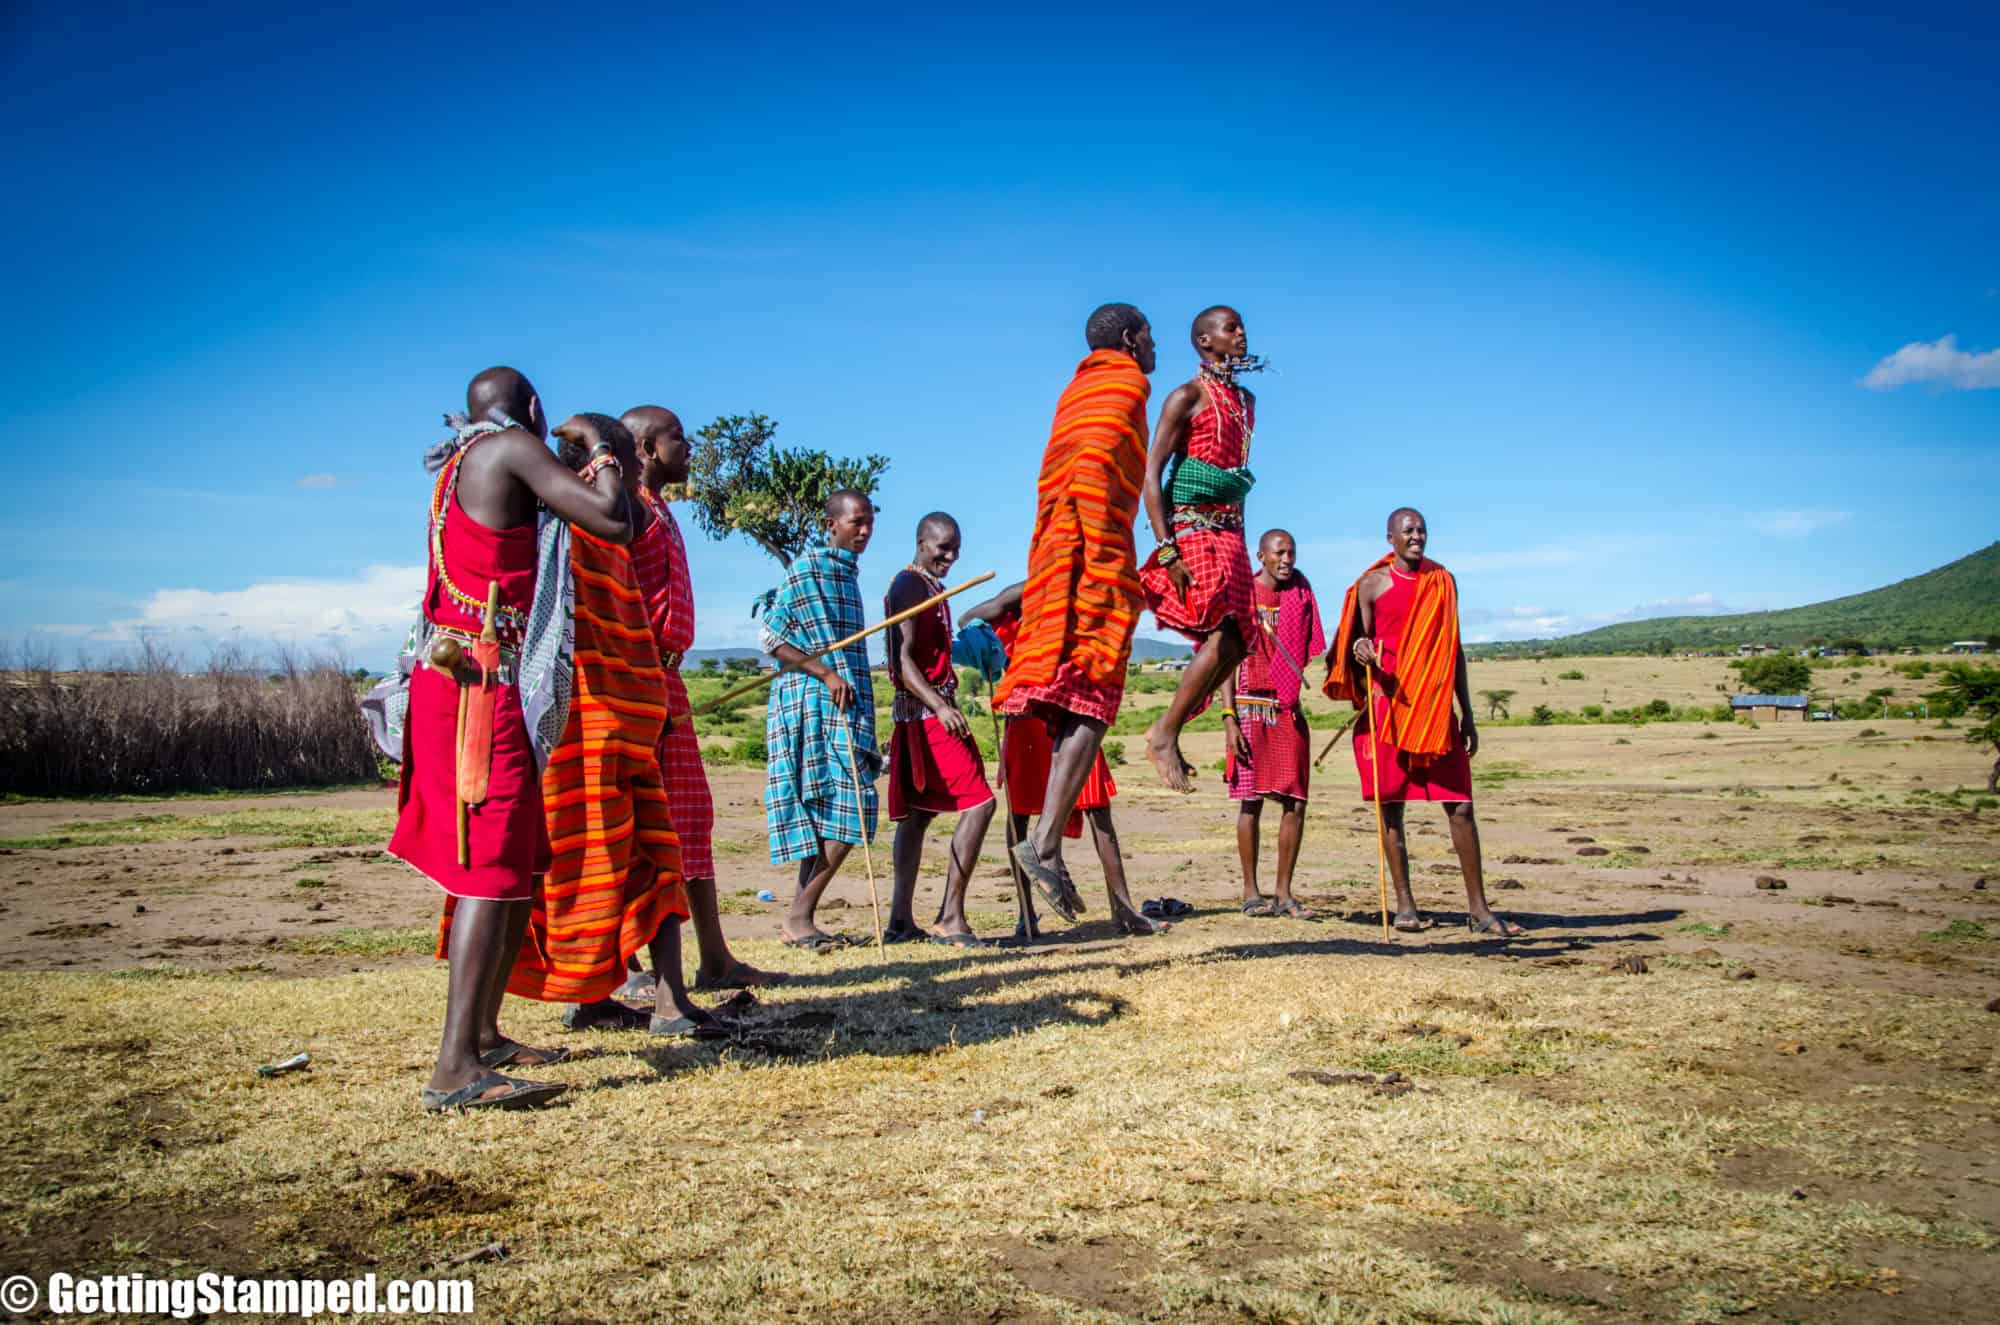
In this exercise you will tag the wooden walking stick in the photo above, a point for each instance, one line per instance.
(861, 822)
(838, 645)
(1381, 834)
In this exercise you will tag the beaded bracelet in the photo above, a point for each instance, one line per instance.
(1168, 554)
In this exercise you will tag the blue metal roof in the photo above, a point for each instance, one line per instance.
(1767, 701)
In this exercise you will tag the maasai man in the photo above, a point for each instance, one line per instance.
(1198, 578)
(1264, 728)
(486, 854)
(614, 885)
(1025, 755)
(934, 763)
(819, 731)
(1081, 603)
(659, 556)
(1399, 635)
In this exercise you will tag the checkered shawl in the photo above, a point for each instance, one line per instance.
(810, 793)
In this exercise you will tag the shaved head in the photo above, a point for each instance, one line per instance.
(1396, 517)
(847, 499)
(649, 421)
(1272, 534)
(1210, 319)
(937, 522)
(503, 395)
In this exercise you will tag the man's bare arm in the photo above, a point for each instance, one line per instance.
(598, 507)
(1169, 440)
(1001, 604)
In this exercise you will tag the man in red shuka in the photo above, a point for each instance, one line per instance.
(934, 763)
(1198, 580)
(1398, 659)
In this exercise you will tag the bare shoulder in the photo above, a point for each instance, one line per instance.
(1186, 395)
(1374, 583)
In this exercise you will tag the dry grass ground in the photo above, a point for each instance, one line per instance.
(1242, 1120)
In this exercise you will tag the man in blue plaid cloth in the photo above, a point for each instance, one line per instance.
(821, 716)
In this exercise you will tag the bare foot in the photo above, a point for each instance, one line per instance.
(1134, 925)
(1165, 752)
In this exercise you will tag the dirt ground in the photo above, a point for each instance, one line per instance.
(1788, 1113)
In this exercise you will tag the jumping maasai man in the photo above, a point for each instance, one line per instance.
(1081, 603)
(1401, 619)
(1264, 729)
(819, 731)
(465, 731)
(1025, 755)
(934, 763)
(1198, 578)
(614, 886)
(659, 556)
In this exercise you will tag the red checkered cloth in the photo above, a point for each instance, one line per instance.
(1280, 761)
(660, 557)
(1220, 565)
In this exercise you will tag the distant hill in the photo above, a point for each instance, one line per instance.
(1958, 601)
(1151, 650)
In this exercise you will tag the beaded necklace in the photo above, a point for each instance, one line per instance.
(1213, 379)
(509, 619)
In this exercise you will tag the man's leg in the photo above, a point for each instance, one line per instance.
(1407, 916)
(966, 839)
(484, 939)
(515, 925)
(1077, 740)
(815, 873)
(1249, 829)
(1465, 840)
(1213, 664)
(671, 1003)
(906, 858)
(1124, 913)
(1027, 924)
(718, 966)
(1291, 831)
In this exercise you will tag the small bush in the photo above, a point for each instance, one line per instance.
(1571, 675)
(1593, 711)
(1659, 708)
(1542, 716)
(1114, 753)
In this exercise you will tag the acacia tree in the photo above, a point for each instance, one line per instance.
(1974, 690)
(1496, 702)
(739, 483)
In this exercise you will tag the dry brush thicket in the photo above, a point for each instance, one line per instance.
(153, 727)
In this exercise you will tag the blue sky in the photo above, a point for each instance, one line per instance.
(1647, 314)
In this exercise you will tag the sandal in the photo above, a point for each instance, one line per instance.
(1258, 906)
(515, 1054)
(958, 940)
(492, 1091)
(742, 975)
(1413, 924)
(1047, 881)
(1293, 910)
(909, 934)
(1494, 927)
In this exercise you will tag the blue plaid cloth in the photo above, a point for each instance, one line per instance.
(810, 794)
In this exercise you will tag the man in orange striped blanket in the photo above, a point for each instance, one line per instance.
(1399, 661)
(614, 884)
(1082, 599)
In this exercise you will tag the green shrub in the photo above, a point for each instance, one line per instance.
(1659, 708)
(1114, 752)
(1542, 716)
(1571, 675)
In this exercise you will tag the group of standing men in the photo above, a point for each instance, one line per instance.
(549, 739)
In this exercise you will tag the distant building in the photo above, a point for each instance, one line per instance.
(1770, 708)
(1753, 650)
(1967, 646)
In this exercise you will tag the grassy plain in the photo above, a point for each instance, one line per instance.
(1790, 1115)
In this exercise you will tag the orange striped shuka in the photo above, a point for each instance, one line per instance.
(1083, 595)
(616, 873)
(1419, 693)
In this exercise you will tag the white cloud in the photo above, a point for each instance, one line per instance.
(319, 482)
(1799, 524)
(1941, 362)
(365, 616)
